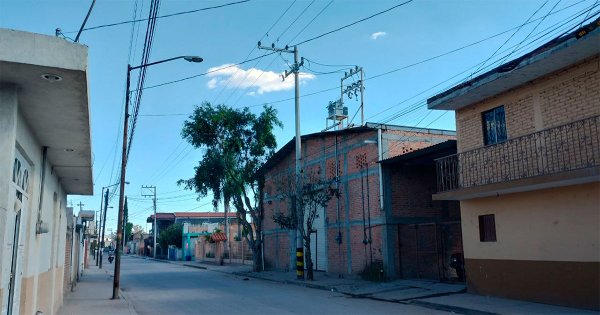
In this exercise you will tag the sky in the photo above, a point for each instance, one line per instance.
(408, 54)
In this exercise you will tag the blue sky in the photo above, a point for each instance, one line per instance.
(406, 35)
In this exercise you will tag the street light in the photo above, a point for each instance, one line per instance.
(117, 274)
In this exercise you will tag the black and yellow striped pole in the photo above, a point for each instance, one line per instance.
(300, 263)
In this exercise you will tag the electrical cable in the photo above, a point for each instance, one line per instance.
(353, 23)
(159, 17)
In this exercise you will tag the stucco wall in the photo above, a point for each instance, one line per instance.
(559, 98)
(560, 224)
(40, 256)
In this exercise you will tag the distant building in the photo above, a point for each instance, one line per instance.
(45, 155)
(166, 219)
(357, 232)
(527, 173)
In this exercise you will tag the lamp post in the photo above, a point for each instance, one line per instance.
(117, 273)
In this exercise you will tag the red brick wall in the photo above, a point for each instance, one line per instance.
(355, 151)
(411, 190)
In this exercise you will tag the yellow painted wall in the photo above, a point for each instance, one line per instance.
(562, 97)
(559, 224)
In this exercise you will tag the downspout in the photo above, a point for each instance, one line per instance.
(380, 155)
(41, 227)
(338, 217)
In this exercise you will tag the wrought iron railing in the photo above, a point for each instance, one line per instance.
(564, 148)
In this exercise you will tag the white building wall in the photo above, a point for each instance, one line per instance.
(41, 256)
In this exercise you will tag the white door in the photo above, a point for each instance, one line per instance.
(19, 199)
(318, 242)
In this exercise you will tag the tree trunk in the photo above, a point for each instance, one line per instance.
(257, 257)
(308, 259)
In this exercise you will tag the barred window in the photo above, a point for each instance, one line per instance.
(487, 228)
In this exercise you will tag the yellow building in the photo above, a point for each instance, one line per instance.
(527, 173)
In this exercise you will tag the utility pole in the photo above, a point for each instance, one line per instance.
(80, 206)
(99, 227)
(295, 69)
(97, 238)
(103, 227)
(154, 226)
(126, 218)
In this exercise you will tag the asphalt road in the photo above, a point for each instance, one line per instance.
(160, 288)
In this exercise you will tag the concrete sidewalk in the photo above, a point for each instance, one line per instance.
(429, 294)
(92, 295)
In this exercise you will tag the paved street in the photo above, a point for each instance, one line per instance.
(161, 288)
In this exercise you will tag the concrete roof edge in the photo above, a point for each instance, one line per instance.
(542, 52)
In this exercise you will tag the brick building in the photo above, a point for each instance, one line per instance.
(527, 173)
(428, 231)
(352, 231)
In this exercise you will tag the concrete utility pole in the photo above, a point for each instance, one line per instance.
(99, 227)
(295, 68)
(154, 226)
(354, 89)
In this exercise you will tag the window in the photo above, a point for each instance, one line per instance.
(487, 228)
(494, 126)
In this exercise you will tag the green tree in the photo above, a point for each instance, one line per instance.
(173, 235)
(128, 230)
(237, 144)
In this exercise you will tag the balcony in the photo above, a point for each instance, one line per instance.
(563, 155)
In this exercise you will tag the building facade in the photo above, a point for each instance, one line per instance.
(352, 234)
(527, 173)
(429, 239)
(45, 154)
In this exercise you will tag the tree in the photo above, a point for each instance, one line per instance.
(128, 229)
(316, 194)
(237, 144)
(172, 235)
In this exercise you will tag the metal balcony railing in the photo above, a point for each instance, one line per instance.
(564, 148)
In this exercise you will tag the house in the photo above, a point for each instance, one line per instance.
(428, 242)
(45, 155)
(352, 234)
(527, 173)
(166, 219)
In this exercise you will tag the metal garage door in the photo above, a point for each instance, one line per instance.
(318, 242)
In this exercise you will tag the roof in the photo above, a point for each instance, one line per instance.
(552, 56)
(368, 127)
(202, 215)
(424, 156)
(161, 216)
(218, 237)
(57, 111)
(189, 215)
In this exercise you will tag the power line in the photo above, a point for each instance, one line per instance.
(373, 77)
(159, 17)
(266, 34)
(512, 35)
(353, 23)
(272, 61)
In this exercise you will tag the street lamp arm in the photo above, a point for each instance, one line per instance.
(187, 58)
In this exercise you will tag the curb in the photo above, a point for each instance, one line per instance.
(298, 283)
(411, 301)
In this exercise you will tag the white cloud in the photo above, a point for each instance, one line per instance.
(376, 35)
(259, 80)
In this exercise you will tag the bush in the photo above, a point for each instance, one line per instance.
(173, 235)
(374, 272)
